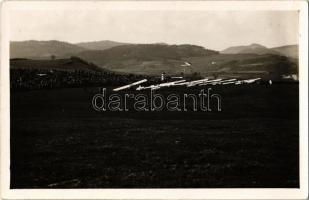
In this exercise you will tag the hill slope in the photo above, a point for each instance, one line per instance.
(69, 64)
(250, 49)
(155, 59)
(100, 45)
(245, 65)
(43, 49)
(144, 52)
(288, 50)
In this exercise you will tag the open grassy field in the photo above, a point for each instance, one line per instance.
(59, 141)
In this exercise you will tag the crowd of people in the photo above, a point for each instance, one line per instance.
(29, 79)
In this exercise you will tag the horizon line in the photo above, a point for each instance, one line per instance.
(165, 43)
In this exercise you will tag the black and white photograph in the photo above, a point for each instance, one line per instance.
(154, 95)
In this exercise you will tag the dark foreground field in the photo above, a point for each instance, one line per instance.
(59, 141)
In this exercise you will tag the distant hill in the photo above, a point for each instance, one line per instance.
(100, 45)
(43, 49)
(155, 59)
(144, 52)
(69, 64)
(152, 59)
(288, 50)
(249, 49)
(245, 65)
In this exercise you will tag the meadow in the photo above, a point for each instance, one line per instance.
(59, 141)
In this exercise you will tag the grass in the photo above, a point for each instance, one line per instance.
(59, 141)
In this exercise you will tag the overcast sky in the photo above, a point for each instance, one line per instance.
(212, 29)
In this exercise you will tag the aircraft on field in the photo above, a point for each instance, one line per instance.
(214, 81)
(186, 64)
(154, 87)
(130, 85)
(252, 80)
(168, 84)
(193, 83)
(200, 82)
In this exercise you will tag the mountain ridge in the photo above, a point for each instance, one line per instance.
(254, 48)
(248, 49)
(288, 50)
(154, 59)
(100, 45)
(144, 52)
(43, 49)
